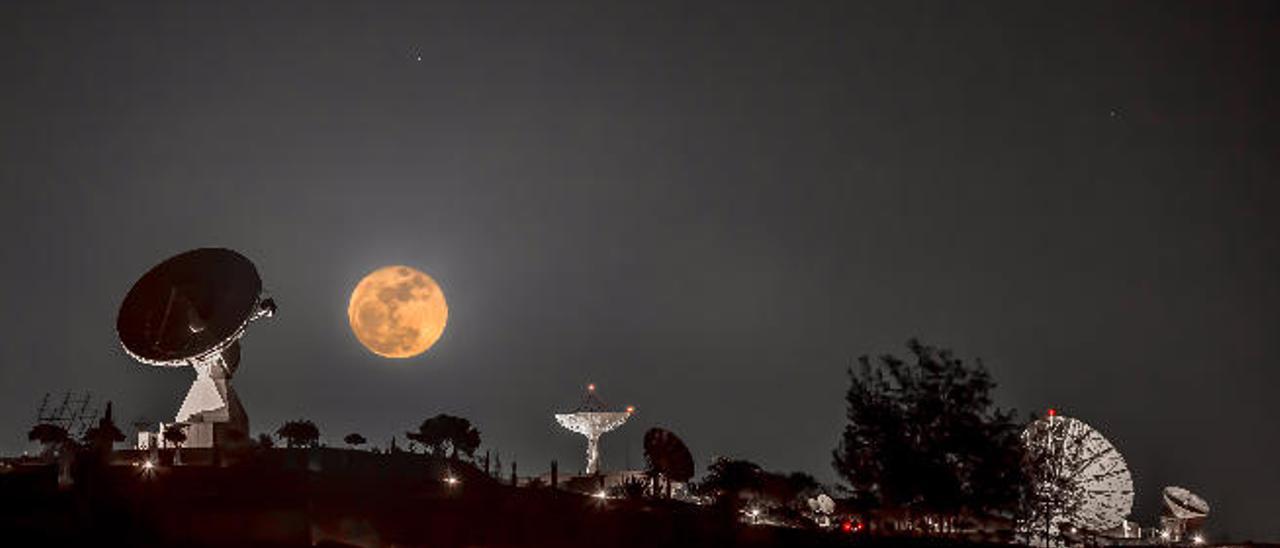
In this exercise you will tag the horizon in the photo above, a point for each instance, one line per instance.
(709, 211)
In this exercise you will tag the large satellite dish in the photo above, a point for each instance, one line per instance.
(1080, 482)
(191, 310)
(593, 419)
(668, 455)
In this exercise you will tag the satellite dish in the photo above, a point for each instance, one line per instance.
(593, 419)
(668, 455)
(1181, 503)
(1079, 479)
(191, 310)
(822, 504)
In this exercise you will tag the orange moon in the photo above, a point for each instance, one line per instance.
(397, 312)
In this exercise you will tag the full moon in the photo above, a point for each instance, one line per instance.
(397, 312)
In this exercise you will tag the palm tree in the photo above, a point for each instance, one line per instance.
(105, 435)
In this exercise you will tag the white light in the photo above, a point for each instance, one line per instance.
(1198, 539)
(452, 480)
(148, 465)
(1164, 535)
(600, 494)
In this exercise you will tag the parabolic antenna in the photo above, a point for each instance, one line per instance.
(1181, 503)
(822, 504)
(1080, 482)
(593, 419)
(667, 454)
(191, 310)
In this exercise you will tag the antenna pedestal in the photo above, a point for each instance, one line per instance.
(211, 409)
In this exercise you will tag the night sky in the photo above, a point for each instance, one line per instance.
(709, 211)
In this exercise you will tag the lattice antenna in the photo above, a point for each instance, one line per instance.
(81, 417)
(69, 414)
(43, 409)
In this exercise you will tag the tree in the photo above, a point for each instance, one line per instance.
(299, 433)
(667, 457)
(51, 436)
(727, 479)
(355, 440)
(265, 441)
(925, 437)
(176, 434)
(443, 433)
(790, 490)
(103, 436)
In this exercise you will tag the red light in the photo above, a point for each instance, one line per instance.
(1053, 412)
(847, 526)
(631, 409)
(591, 387)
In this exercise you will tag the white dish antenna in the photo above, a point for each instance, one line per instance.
(822, 504)
(593, 419)
(1181, 503)
(1080, 482)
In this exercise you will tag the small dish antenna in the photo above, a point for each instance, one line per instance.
(1184, 512)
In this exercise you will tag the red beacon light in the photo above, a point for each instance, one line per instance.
(1053, 412)
(631, 409)
(847, 526)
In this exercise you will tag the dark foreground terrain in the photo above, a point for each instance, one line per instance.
(310, 497)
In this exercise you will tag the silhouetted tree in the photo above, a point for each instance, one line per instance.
(727, 479)
(51, 436)
(265, 441)
(788, 490)
(102, 437)
(355, 440)
(443, 433)
(925, 437)
(667, 457)
(299, 433)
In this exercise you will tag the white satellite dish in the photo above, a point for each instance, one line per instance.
(822, 504)
(1080, 482)
(1181, 503)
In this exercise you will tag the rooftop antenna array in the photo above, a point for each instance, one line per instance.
(71, 413)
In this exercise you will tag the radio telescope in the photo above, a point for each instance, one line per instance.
(1080, 482)
(592, 419)
(190, 311)
(1184, 512)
